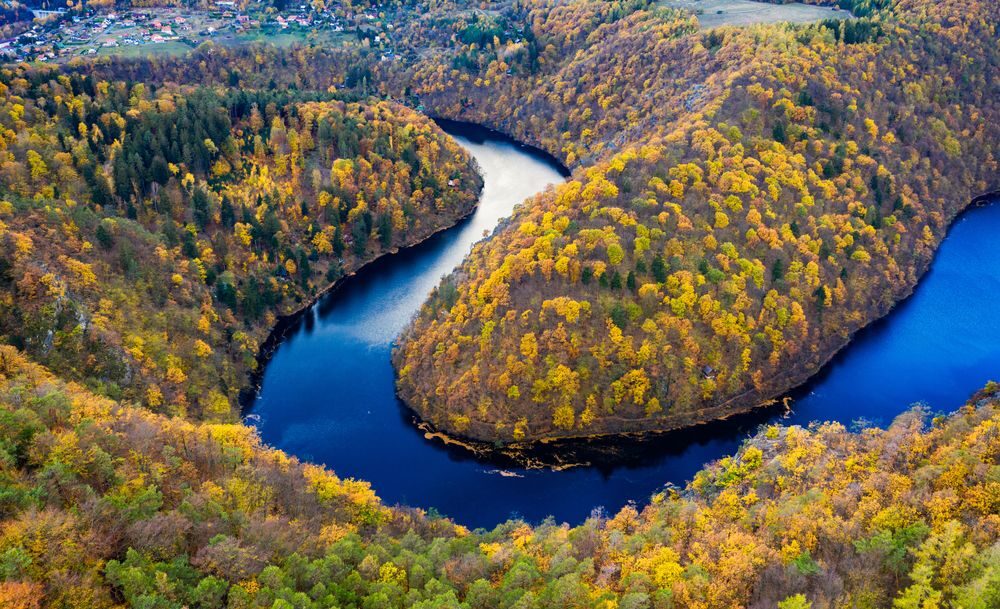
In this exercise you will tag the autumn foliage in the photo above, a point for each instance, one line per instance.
(744, 200)
(151, 236)
(103, 503)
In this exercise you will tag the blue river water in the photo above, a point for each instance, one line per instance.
(327, 394)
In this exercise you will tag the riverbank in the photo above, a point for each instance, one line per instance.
(287, 322)
(328, 395)
(481, 132)
(559, 450)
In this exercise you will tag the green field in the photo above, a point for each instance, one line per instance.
(715, 13)
(290, 37)
(171, 48)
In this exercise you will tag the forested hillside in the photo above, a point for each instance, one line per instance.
(152, 234)
(104, 504)
(745, 200)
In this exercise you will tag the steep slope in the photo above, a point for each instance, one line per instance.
(746, 199)
(103, 504)
(152, 234)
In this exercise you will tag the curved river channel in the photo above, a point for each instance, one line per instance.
(327, 394)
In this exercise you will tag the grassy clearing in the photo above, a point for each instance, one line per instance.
(172, 47)
(715, 13)
(289, 38)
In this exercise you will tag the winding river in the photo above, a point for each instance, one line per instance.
(327, 393)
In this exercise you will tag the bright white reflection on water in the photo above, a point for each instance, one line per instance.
(390, 301)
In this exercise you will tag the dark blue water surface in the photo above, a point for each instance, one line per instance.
(327, 394)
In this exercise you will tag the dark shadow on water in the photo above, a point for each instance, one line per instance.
(327, 387)
(607, 455)
(478, 134)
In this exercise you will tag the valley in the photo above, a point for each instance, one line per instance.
(524, 304)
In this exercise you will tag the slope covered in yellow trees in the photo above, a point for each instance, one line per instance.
(103, 504)
(151, 234)
(744, 200)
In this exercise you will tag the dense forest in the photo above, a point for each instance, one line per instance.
(152, 235)
(105, 504)
(742, 201)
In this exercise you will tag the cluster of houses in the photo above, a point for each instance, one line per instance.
(62, 36)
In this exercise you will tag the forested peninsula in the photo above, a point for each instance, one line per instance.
(745, 199)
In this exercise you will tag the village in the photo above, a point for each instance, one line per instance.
(61, 36)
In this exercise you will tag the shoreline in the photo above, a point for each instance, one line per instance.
(278, 332)
(285, 321)
(468, 129)
(556, 446)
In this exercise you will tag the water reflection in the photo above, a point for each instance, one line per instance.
(327, 394)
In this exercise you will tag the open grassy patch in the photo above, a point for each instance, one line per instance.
(169, 48)
(288, 38)
(715, 13)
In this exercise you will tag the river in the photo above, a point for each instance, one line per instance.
(327, 394)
